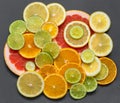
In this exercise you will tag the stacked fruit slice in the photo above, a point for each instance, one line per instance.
(53, 51)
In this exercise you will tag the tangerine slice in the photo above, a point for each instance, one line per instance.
(67, 55)
(72, 65)
(47, 70)
(29, 50)
(55, 86)
(51, 27)
(112, 71)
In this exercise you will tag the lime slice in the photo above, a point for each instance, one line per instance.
(72, 75)
(76, 32)
(17, 27)
(34, 23)
(90, 84)
(30, 66)
(15, 42)
(30, 84)
(36, 8)
(87, 56)
(103, 72)
(78, 91)
(41, 38)
(52, 48)
(99, 21)
(43, 58)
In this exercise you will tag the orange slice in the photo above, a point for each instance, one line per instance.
(55, 86)
(67, 55)
(29, 50)
(72, 65)
(51, 27)
(47, 70)
(112, 71)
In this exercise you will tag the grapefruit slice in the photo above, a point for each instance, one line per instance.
(71, 15)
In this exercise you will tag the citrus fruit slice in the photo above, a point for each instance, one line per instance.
(55, 86)
(66, 66)
(67, 55)
(47, 70)
(78, 91)
(101, 44)
(99, 21)
(42, 59)
(93, 68)
(87, 56)
(90, 84)
(17, 27)
(71, 15)
(36, 8)
(15, 42)
(34, 23)
(51, 27)
(103, 72)
(57, 13)
(30, 66)
(52, 48)
(72, 75)
(41, 38)
(82, 35)
(29, 50)
(30, 84)
(112, 71)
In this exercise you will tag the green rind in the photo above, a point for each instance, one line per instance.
(78, 91)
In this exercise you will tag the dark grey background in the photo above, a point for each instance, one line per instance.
(11, 10)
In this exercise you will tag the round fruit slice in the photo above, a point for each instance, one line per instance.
(55, 86)
(82, 35)
(52, 48)
(101, 44)
(93, 68)
(67, 55)
(17, 27)
(99, 21)
(90, 84)
(29, 50)
(72, 15)
(42, 59)
(72, 75)
(47, 70)
(41, 38)
(57, 13)
(112, 71)
(51, 27)
(30, 84)
(78, 91)
(87, 56)
(15, 42)
(36, 8)
(30, 66)
(34, 23)
(103, 72)
(66, 66)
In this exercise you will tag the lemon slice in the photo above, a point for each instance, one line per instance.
(30, 84)
(93, 68)
(30, 66)
(57, 13)
(99, 21)
(36, 8)
(77, 38)
(101, 44)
